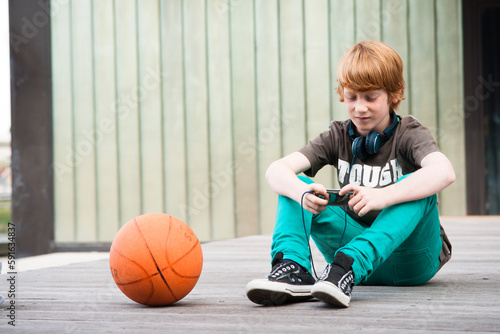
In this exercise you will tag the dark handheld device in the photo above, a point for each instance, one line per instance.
(336, 200)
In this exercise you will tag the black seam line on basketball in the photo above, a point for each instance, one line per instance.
(171, 265)
(136, 281)
(136, 263)
(152, 257)
(183, 256)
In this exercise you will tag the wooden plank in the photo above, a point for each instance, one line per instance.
(195, 71)
(395, 33)
(150, 112)
(84, 121)
(105, 124)
(317, 69)
(368, 22)
(127, 109)
(268, 105)
(342, 37)
(174, 125)
(242, 32)
(220, 135)
(462, 300)
(422, 49)
(293, 104)
(450, 94)
(62, 117)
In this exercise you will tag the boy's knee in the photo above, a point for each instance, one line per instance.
(403, 177)
(305, 179)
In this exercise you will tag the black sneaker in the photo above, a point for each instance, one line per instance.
(335, 285)
(288, 282)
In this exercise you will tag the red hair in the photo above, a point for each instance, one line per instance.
(371, 65)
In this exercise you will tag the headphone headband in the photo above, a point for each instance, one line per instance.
(388, 132)
(362, 147)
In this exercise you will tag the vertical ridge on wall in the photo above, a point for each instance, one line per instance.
(127, 111)
(368, 25)
(62, 86)
(180, 106)
(150, 119)
(422, 82)
(174, 129)
(221, 190)
(451, 130)
(161, 76)
(409, 60)
(280, 75)
(83, 111)
(381, 19)
(258, 145)
(394, 25)
(137, 95)
(92, 133)
(173, 106)
(436, 71)
(196, 118)
(210, 185)
(331, 83)
(105, 120)
(317, 80)
(242, 46)
(267, 88)
(343, 34)
(292, 76)
(304, 67)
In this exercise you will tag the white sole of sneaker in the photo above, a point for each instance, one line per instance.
(265, 292)
(330, 294)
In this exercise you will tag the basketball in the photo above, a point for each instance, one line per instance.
(155, 259)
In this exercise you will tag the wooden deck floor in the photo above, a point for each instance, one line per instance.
(82, 297)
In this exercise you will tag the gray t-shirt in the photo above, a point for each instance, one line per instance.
(400, 155)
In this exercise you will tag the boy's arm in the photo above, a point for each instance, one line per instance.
(282, 178)
(436, 174)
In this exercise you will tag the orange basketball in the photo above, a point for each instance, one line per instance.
(155, 259)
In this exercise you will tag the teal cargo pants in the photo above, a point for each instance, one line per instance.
(401, 247)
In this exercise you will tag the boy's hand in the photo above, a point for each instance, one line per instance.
(366, 199)
(316, 201)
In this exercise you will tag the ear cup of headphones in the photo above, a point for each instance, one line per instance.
(358, 148)
(362, 147)
(373, 142)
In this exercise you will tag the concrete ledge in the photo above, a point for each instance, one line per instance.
(53, 260)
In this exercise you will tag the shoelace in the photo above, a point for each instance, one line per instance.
(282, 269)
(326, 272)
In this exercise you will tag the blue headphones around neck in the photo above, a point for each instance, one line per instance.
(362, 147)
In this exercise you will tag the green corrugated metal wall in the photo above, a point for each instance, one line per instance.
(179, 106)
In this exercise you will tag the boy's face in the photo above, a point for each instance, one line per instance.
(369, 111)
